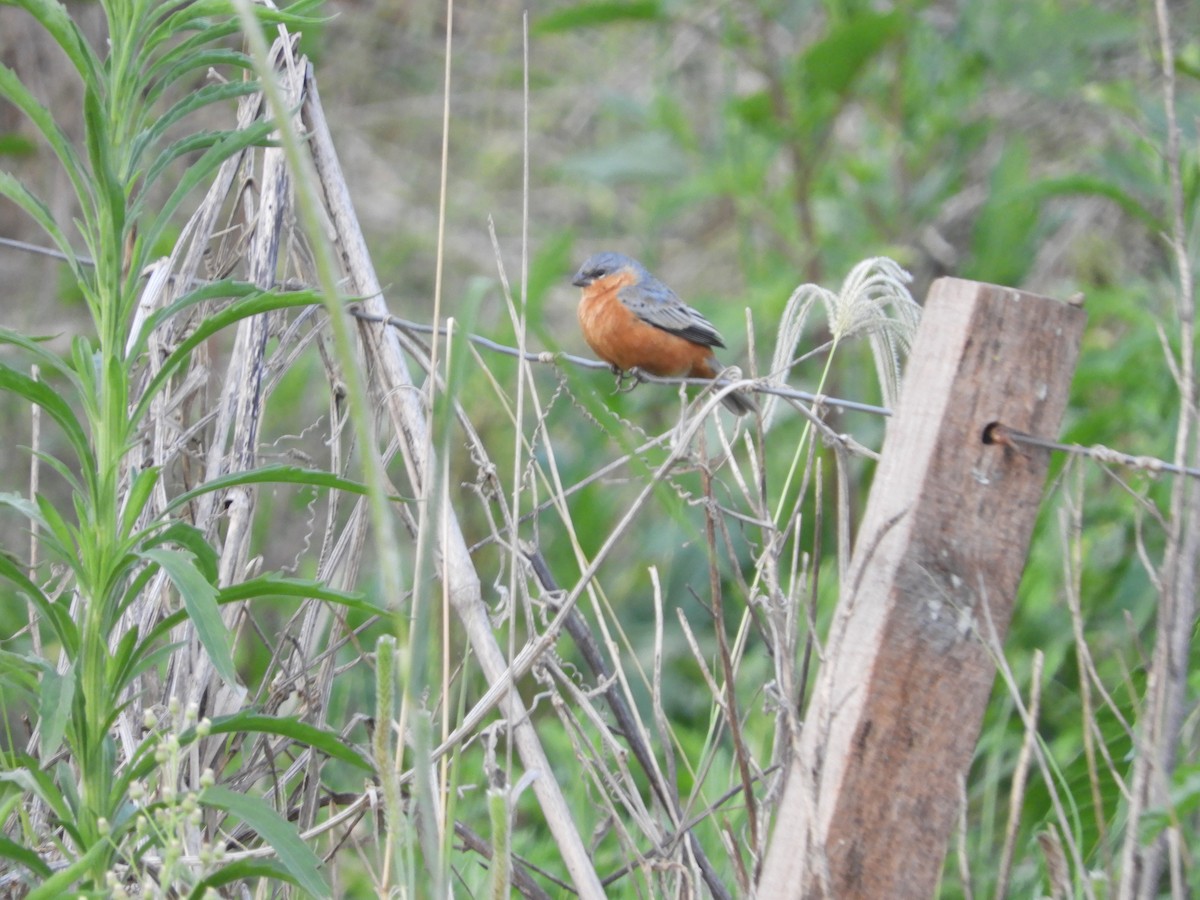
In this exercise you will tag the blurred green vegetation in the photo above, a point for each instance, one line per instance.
(740, 149)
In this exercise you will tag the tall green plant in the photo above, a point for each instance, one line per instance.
(139, 159)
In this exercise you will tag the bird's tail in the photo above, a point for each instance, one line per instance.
(739, 404)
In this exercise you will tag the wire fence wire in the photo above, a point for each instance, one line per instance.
(1098, 452)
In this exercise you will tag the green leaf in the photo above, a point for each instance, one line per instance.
(64, 473)
(821, 78)
(188, 18)
(294, 15)
(281, 835)
(45, 358)
(114, 396)
(15, 91)
(201, 171)
(26, 507)
(831, 65)
(820, 81)
(213, 20)
(242, 309)
(61, 537)
(41, 394)
(180, 66)
(85, 362)
(591, 15)
(138, 661)
(16, 146)
(57, 614)
(328, 742)
(273, 475)
(270, 869)
(193, 101)
(57, 22)
(98, 139)
(133, 586)
(10, 849)
(40, 213)
(20, 672)
(213, 290)
(277, 586)
(34, 781)
(186, 146)
(139, 494)
(58, 694)
(758, 111)
(1002, 244)
(122, 660)
(1092, 185)
(190, 538)
(56, 886)
(200, 600)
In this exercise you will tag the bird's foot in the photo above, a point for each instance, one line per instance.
(634, 376)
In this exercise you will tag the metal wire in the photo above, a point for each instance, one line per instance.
(995, 433)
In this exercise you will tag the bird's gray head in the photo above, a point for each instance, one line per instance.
(600, 265)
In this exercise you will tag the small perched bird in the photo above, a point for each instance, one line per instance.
(631, 320)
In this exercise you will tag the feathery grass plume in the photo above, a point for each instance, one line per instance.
(874, 300)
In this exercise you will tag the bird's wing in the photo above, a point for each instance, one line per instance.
(656, 304)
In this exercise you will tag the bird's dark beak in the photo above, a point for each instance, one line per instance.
(581, 280)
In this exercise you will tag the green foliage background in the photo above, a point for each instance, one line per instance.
(740, 149)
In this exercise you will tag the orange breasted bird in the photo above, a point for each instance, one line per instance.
(631, 320)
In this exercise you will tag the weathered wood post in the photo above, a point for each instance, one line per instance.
(873, 791)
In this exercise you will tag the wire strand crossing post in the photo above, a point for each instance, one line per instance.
(874, 788)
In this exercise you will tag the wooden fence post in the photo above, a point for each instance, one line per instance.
(874, 789)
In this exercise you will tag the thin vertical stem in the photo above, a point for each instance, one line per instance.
(1158, 738)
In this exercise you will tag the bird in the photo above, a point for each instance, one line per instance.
(631, 320)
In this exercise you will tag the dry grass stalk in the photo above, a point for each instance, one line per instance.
(394, 385)
(1166, 703)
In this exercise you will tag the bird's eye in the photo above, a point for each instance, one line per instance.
(596, 273)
